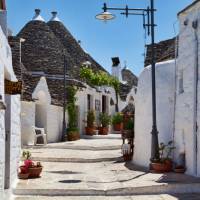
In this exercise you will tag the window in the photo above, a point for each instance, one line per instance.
(104, 104)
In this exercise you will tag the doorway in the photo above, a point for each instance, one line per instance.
(104, 104)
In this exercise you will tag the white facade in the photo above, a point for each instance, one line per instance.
(178, 98)
(10, 132)
(41, 113)
(165, 87)
(188, 89)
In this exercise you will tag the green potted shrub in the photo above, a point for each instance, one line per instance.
(104, 119)
(72, 130)
(165, 163)
(90, 128)
(117, 122)
(128, 131)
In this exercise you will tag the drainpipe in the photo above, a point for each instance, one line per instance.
(196, 70)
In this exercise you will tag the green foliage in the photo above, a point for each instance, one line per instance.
(165, 150)
(100, 79)
(71, 93)
(129, 125)
(26, 155)
(71, 108)
(90, 118)
(105, 119)
(117, 118)
(114, 82)
(94, 79)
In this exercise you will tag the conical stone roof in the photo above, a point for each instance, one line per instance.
(42, 51)
(72, 46)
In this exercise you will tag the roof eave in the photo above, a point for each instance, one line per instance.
(188, 7)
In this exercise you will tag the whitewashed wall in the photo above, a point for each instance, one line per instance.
(15, 151)
(165, 86)
(13, 115)
(187, 114)
(27, 121)
(54, 123)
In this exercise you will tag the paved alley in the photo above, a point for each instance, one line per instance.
(94, 169)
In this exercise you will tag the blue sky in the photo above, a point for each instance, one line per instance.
(121, 37)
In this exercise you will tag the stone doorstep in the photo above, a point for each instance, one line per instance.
(146, 190)
(77, 160)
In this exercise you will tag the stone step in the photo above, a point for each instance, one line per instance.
(75, 147)
(108, 137)
(138, 197)
(128, 191)
(78, 160)
(93, 143)
(78, 156)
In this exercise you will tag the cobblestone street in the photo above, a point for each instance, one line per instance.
(94, 169)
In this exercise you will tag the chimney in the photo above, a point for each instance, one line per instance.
(37, 16)
(54, 17)
(3, 17)
(116, 68)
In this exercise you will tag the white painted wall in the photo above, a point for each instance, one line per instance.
(54, 123)
(186, 135)
(15, 151)
(165, 84)
(27, 121)
(13, 109)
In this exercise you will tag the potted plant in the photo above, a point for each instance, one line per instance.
(72, 130)
(104, 119)
(165, 163)
(90, 129)
(128, 131)
(117, 120)
(29, 169)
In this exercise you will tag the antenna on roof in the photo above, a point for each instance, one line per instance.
(125, 65)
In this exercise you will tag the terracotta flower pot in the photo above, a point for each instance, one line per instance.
(118, 127)
(73, 136)
(23, 176)
(103, 130)
(127, 157)
(89, 130)
(162, 167)
(23, 169)
(34, 172)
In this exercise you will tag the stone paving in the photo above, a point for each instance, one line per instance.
(99, 174)
(141, 197)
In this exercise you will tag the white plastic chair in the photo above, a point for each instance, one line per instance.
(40, 134)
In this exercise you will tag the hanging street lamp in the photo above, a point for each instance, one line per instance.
(148, 23)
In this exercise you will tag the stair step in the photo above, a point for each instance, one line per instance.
(128, 191)
(78, 160)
